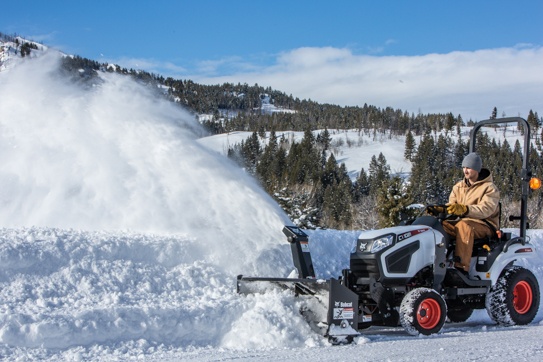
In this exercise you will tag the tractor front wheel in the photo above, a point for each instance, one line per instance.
(423, 311)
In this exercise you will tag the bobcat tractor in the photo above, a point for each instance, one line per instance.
(405, 275)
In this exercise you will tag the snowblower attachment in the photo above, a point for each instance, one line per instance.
(329, 307)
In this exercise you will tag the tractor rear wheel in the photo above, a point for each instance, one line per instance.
(423, 311)
(514, 299)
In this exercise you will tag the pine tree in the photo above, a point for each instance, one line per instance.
(343, 175)
(504, 178)
(450, 122)
(516, 161)
(421, 172)
(460, 151)
(459, 124)
(361, 187)
(251, 151)
(494, 114)
(310, 158)
(337, 205)
(379, 171)
(533, 121)
(393, 202)
(278, 166)
(536, 167)
(330, 173)
(345, 202)
(445, 172)
(325, 139)
(322, 162)
(296, 174)
(410, 145)
(264, 169)
(484, 146)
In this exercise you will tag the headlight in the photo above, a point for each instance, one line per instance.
(381, 243)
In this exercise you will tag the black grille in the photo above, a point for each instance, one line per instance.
(364, 268)
(399, 261)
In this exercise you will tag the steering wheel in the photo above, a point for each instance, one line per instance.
(439, 211)
(436, 209)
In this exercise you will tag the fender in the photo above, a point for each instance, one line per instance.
(514, 253)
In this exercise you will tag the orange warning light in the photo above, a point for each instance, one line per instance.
(535, 183)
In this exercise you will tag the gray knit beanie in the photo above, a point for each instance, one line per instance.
(473, 161)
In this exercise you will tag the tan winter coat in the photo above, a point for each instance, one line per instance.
(482, 198)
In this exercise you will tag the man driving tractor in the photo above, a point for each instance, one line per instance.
(475, 200)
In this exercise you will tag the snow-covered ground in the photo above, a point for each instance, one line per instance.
(76, 295)
(122, 236)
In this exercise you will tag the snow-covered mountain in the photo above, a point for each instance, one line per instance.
(123, 233)
(12, 49)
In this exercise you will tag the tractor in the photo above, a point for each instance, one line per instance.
(404, 275)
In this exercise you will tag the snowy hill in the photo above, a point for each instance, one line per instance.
(122, 235)
(10, 51)
(351, 147)
(355, 148)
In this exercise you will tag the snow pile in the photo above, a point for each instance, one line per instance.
(63, 288)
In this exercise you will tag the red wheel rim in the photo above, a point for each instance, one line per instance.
(522, 297)
(429, 313)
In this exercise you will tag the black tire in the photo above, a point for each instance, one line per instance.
(423, 311)
(459, 314)
(514, 299)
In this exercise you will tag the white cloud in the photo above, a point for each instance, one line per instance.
(229, 64)
(467, 83)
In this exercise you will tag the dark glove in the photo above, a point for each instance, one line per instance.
(436, 210)
(457, 209)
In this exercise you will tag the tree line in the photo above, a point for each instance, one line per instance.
(238, 107)
(316, 191)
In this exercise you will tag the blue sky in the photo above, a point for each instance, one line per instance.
(419, 56)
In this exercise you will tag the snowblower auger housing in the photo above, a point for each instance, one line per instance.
(333, 305)
(404, 275)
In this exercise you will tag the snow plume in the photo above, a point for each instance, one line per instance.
(115, 156)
